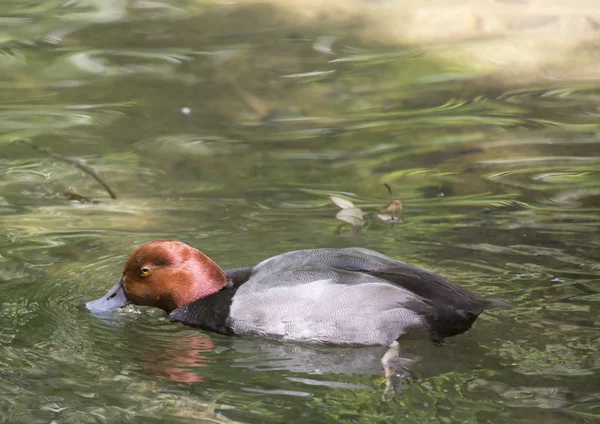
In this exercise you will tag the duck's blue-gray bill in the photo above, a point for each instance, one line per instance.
(114, 299)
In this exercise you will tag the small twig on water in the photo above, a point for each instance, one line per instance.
(389, 189)
(75, 162)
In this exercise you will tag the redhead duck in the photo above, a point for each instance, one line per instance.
(349, 296)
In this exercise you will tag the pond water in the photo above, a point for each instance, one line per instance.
(229, 126)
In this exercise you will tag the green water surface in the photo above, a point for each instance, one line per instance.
(229, 127)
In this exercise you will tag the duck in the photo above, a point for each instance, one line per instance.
(337, 296)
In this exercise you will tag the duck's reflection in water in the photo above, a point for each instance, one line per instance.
(183, 356)
(180, 358)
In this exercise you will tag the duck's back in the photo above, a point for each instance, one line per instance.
(357, 264)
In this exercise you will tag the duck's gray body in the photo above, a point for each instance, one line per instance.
(349, 296)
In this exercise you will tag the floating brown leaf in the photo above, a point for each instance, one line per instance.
(71, 195)
(393, 208)
(393, 211)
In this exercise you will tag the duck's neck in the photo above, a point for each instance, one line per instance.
(205, 277)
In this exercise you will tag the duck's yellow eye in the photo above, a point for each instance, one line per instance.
(144, 271)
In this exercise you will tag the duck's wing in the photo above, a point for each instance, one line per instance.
(413, 278)
(351, 260)
(420, 281)
(435, 288)
(430, 286)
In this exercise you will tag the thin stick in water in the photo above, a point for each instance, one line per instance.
(76, 163)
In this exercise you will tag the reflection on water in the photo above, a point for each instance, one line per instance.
(229, 127)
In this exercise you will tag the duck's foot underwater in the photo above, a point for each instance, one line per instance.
(397, 373)
(440, 342)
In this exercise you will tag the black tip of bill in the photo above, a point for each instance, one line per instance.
(114, 299)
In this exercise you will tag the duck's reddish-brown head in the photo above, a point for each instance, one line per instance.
(166, 274)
